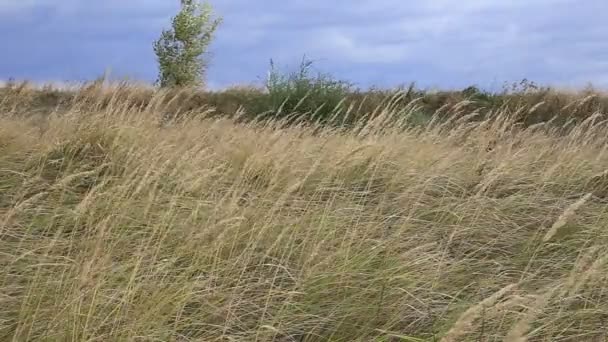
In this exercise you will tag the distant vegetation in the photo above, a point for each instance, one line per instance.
(304, 96)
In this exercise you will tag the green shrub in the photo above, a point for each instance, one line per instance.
(301, 95)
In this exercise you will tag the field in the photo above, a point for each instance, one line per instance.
(116, 225)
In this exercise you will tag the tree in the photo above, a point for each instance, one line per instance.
(180, 51)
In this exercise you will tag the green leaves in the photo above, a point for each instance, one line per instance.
(315, 96)
(180, 51)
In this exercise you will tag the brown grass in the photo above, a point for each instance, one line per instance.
(114, 227)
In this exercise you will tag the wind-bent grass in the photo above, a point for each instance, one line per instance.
(114, 228)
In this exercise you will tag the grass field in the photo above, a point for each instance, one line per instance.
(115, 227)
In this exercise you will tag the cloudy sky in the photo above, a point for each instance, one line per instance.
(437, 43)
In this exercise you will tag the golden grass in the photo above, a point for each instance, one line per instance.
(116, 228)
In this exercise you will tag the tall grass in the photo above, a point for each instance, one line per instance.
(115, 227)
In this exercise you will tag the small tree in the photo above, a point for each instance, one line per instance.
(180, 50)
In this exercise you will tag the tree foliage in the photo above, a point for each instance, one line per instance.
(181, 50)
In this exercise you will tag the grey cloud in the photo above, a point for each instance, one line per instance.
(436, 42)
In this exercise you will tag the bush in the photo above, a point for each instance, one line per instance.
(302, 95)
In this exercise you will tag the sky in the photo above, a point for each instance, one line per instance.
(384, 43)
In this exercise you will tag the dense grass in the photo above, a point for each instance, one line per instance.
(115, 226)
(303, 96)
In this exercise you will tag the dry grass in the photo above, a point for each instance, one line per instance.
(115, 228)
